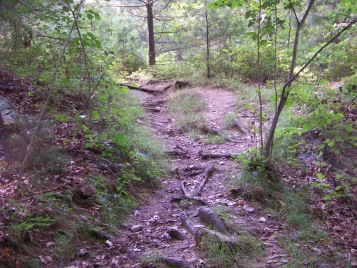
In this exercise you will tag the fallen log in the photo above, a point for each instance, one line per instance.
(156, 86)
(206, 175)
(217, 155)
(209, 217)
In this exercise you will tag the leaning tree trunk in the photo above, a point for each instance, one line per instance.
(285, 91)
(151, 35)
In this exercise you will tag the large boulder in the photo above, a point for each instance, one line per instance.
(8, 113)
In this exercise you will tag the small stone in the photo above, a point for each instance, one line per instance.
(175, 234)
(136, 228)
(262, 219)
(249, 209)
(109, 243)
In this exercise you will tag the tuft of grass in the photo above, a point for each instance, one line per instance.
(186, 107)
(246, 253)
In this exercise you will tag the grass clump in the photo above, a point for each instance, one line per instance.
(186, 108)
(246, 253)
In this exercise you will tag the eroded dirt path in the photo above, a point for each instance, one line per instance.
(145, 234)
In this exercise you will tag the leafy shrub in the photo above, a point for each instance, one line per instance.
(242, 61)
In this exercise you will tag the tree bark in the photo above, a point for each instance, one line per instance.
(151, 35)
(207, 47)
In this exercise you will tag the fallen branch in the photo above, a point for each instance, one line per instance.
(217, 155)
(184, 189)
(208, 172)
(188, 197)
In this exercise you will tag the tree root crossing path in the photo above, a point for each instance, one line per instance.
(197, 200)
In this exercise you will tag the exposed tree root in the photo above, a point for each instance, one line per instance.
(209, 217)
(208, 172)
(202, 234)
(239, 126)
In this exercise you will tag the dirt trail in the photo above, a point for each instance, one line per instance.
(154, 218)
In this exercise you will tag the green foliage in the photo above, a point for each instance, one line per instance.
(240, 62)
(322, 112)
(114, 197)
(123, 140)
(192, 70)
(295, 209)
(32, 224)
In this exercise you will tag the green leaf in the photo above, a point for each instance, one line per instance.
(349, 129)
(90, 16)
(327, 197)
(60, 117)
(338, 188)
(307, 127)
(95, 115)
(85, 128)
(320, 175)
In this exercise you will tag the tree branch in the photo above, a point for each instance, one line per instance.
(318, 52)
(296, 17)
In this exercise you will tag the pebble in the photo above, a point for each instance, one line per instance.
(136, 228)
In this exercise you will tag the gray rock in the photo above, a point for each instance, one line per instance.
(8, 112)
(136, 228)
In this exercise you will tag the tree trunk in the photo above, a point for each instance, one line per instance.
(151, 36)
(285, 92)
(207, 47)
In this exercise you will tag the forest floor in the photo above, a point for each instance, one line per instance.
(160, 213)
(146, 232)
(152, 230)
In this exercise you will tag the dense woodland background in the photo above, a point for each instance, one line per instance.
(67, 66)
